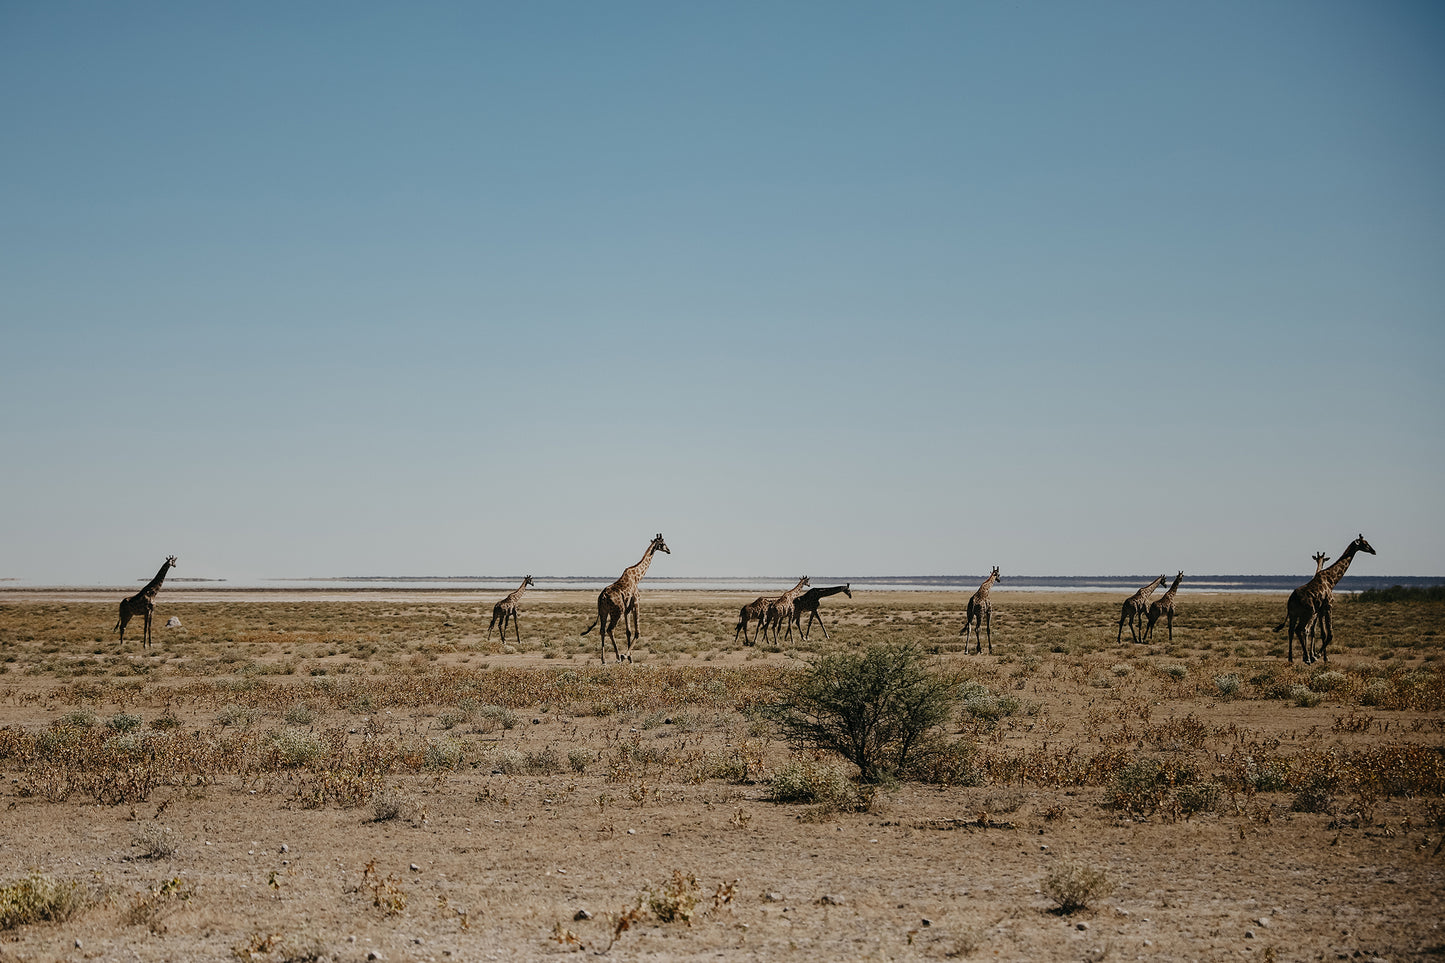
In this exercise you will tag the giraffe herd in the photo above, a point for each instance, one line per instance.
(1307, 614)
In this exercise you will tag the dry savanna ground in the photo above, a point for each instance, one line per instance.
(309, 776)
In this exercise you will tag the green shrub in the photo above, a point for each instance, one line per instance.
(1227, 685)
(41, 899)
(1303, 695)
(124, 722)
(808, 781)
(876, 708)
(296, 747)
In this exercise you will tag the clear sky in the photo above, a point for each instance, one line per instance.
(304, 289)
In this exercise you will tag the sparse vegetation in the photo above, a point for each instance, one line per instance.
(393, 718)
(1075, 886)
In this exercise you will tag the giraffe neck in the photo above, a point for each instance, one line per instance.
(1330, 577)
(518, 593)
(793, 592)
(634, 574)
(822, 593)
(987, 584)
(1148, 590)
(154, 585)
(1169, 595)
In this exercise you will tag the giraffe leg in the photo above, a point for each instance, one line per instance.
(516, 627)
(988, 624)
(1170, 617)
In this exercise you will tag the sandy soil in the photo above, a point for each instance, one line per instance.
(481, 864)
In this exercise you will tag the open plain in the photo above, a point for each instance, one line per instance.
(352, 776)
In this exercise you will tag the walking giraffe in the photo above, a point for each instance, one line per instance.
(143, 603)
(979, 614)
(619, 600)
(1307, 613)
(507, 609)
(1164, 605)
(1134, 608)
(780, 609)
(754, 611)
(808, 602)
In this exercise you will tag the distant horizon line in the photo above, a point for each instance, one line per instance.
(941, 580)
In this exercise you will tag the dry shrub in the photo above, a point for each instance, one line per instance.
(1073, 886)
(37, 898)
(676, 900)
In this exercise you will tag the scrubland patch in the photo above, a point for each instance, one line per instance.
(469, 798)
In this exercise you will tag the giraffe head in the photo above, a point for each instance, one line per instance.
(526, 580)
(1360, 545)
(170, 561)
(804, 581)
(658, 545)
(995, 576)
(1320, 558)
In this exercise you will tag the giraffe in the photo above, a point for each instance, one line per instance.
(808, 602)
(780, 609)
(1134, 609)
(754, 611)
(1164, 605)
(507, 609)
(1320, 559)
(979, 614)
(143, 603)
(619, 600)
(1307, 612)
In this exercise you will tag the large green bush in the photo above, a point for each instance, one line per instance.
(878, 708)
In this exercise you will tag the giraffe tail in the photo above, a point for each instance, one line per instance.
(1281, 625)
(590, 627)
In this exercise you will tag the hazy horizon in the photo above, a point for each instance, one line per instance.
(1111, 287)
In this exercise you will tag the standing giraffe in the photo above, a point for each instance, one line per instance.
(1320, 559)
(507, 609)
(979, 614)
(780, 609)
(808, 602)
(619, 600)
(143, 603)
(1307, 613)
(1135, 607)
(1164, 605)
(754, 611)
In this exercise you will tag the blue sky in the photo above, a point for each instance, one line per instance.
(1105, 288)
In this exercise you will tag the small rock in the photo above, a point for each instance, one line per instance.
(1043, 848)
(632, 832)
(1148, 942)
(375, 955)
(536, 722)
(927, 921)
(1262, 921)
(1249, 934)
(77, 942)
(415, 868)
(1081, 926)
(285, 848)
(828, 899)
(772, 897)
(582, 914)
